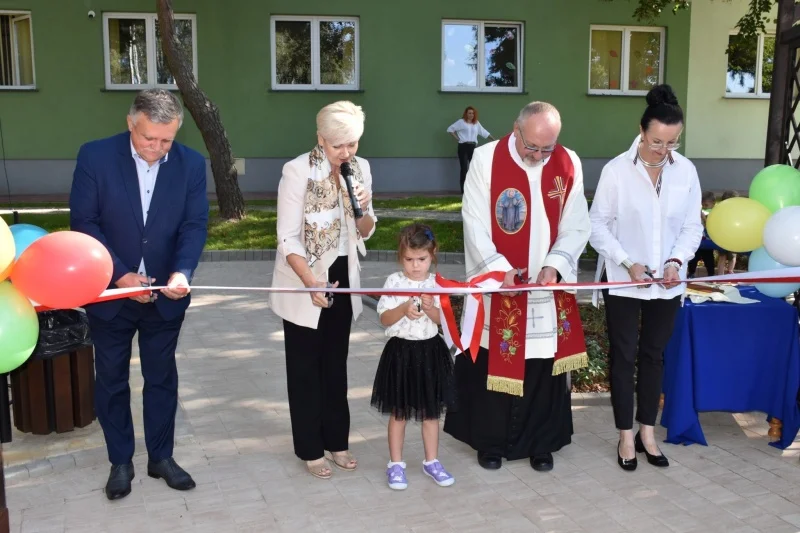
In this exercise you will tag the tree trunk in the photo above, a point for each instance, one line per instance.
(205, 115)
(779, 100)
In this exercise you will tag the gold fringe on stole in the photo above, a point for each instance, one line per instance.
(506, 385)
(570, 363)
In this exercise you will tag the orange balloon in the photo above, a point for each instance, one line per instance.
(63, 270)
(7, 272)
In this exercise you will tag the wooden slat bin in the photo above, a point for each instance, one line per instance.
(55, 394)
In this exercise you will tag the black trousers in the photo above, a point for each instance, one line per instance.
(158, 339)
(629, 347)
(316, 374)
(707, 256)
(465, 151)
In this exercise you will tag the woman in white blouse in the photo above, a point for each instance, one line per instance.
(319, 238)
(466, 130)
(645, 225)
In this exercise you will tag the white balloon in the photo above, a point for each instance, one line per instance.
(782, 236)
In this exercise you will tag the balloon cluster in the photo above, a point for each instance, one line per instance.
(767, 223)
(60, 270)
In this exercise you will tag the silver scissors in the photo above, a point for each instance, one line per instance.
(149, 284)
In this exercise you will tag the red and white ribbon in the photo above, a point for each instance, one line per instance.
(473, 291)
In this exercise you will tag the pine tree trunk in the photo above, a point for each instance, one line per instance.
(205, 115)
(780, 95)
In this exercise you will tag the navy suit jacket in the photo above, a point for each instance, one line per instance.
(105, 203)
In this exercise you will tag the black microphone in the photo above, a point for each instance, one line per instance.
(346, 173)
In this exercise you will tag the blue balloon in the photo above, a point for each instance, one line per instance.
(24, 235)
(760, 260)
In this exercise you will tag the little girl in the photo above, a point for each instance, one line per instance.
(415, 373)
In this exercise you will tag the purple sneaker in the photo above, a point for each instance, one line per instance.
(396, 476)
(436, 471)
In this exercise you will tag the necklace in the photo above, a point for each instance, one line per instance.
(653, 165)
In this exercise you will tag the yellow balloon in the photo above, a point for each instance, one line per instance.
(737, 224)
(7, 247)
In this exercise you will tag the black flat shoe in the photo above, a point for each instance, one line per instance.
(167, 469)
(119, 481)
(490, 461)
(655, 460)
(542, 462)
(626, 464)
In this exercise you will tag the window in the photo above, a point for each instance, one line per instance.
(133, 55)
(16, 50)
(481, 56)
(314, 53)
(625, 60)
(749, 66)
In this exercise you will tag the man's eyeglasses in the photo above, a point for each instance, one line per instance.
(547, 150)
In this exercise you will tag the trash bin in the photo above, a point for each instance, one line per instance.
(54, 389)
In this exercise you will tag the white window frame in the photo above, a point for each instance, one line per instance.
(758, 94)
(481, 74)
(150, 36)
(316, 82)
(19, 15)
(625, 62)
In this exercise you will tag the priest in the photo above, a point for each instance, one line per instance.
(525, 215)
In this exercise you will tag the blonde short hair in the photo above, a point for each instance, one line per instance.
(340, 122)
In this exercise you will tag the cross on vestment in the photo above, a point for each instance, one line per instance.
(559, 192)
(533, 320)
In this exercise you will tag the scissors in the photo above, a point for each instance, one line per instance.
(522, 281)
(650, 274)
(148, 284)
(329, 295)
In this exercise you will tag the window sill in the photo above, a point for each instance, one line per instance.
(629, 94)
(295, 91)
(746, 96)
(134, 90)
(487, 93)
(11, 89)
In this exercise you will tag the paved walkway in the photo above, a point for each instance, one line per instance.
(235, 438)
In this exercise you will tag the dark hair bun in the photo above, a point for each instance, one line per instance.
(661, 94)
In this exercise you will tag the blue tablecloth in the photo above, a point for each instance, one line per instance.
(733, 358)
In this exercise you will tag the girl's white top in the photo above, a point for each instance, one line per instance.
(405, 328)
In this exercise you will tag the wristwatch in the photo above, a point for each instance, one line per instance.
(627, 264)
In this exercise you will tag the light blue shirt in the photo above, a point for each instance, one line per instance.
(147, 175)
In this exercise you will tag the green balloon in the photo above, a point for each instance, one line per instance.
(776, 187)
(19, 328)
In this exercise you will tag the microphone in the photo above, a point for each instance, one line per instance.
(347, 172)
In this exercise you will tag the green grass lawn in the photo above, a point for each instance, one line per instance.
(257, 231)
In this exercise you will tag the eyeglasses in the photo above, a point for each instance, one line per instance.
(547, 150)
(660, 146)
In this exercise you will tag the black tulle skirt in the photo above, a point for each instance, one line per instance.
(414, 379)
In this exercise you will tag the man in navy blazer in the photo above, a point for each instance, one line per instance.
(144, 197)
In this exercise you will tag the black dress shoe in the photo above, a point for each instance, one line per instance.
(119, 481)
(167, 469)
(626, 464)
(542, 462)
(655, 460)
(490, 461)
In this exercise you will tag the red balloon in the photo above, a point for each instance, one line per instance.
(63, 270)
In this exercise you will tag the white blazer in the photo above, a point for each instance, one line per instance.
(292, 220)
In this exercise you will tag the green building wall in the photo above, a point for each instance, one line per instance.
(400, 72)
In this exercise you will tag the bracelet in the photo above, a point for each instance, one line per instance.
(672, 263)
(674, 260)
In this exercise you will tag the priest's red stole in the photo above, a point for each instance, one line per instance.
(510, 198)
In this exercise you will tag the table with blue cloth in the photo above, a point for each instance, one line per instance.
(733, 358)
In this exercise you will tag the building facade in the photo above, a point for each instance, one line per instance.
(69, 71)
